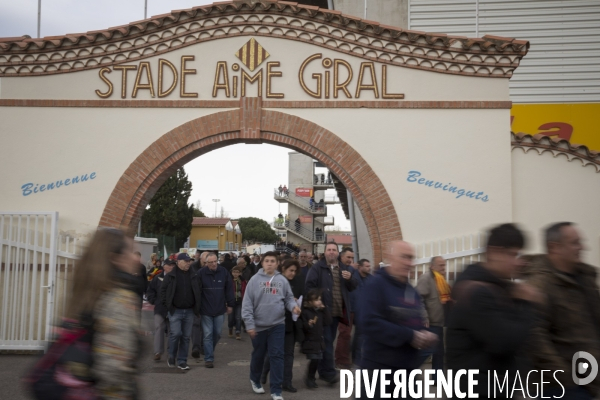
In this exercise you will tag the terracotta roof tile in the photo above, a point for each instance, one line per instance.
(200, 221)
(556, 144)
(499, 43)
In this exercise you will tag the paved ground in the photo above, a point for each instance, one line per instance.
(228, 380)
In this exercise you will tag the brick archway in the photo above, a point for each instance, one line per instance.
(252, 124)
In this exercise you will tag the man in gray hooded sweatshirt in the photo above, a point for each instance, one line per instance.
(267, 296)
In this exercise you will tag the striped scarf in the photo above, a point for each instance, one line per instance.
(442, 287)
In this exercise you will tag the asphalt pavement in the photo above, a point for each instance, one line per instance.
(228, 380)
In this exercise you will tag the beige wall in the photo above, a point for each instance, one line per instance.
(549, 189)
(468, 148)
(42, 145)
(415, 84)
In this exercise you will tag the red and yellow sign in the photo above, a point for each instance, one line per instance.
(304, 192)
(306, 219)
(576, 122)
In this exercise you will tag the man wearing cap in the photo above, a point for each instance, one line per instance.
(161, 323)
(181, 294)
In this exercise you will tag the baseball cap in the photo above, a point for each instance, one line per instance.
(183, 256)
(170, 262)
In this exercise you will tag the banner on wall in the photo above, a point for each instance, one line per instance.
(207, 245)
(304, 192)
(306, 219)
(576, 122)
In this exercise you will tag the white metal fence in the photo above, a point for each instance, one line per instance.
(458, 253)
(35, 268)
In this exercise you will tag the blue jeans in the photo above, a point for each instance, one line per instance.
(268, 341)
(288, 359)
(180, 323)
(326, 368)
(235, 318)
(437, 352)
(211, 326)
(357, 344)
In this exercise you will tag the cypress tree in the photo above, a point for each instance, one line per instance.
(168, 212)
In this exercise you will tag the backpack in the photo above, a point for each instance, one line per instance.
(64, 372)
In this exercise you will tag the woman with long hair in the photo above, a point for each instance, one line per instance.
(102, 293)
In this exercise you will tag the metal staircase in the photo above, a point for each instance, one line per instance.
(301, 202)
(304, 233)
(325, 220)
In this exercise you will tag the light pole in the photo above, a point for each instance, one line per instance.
(216, 201)
(39, 21)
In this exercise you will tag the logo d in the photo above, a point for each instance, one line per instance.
(583, 367)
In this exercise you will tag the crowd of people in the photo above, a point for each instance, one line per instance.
(506, 314)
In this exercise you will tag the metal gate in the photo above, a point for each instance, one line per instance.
(28, 259)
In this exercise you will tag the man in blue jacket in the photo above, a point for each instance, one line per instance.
(336, 281)
(362, 275)
(217, 292)
(390, 315)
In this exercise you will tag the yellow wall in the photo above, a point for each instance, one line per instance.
(205, 232)
(577, 122)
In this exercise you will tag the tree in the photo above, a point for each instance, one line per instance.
(197, 210)
(224, 214)
(257, 230)
(168, 212)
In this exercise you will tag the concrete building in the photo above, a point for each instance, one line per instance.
(306, 202)
(221, 234)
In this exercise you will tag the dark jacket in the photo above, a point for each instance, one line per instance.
(487, 328)
(320, 277)
(216, 291)
(228, 264)
(139, 283)
(248, 273)
(153, 294)
(195, 267)
(297, 285)
(356, 293)
(314, 343)
(569, 319)
(389, 313)
(169, 286)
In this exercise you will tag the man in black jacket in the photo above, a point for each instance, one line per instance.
(336, 281)
(140, 282)
(181, 294)
(493, 317)
(161, 322)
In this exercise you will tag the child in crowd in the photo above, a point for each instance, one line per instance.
(235, 318)
(314, 316)
(267, 296)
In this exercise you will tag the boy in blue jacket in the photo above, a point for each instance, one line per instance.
(267, 296)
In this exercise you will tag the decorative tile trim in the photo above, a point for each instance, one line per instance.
(490, 56)
(557, 147)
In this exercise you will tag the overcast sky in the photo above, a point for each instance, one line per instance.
(242, 176)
